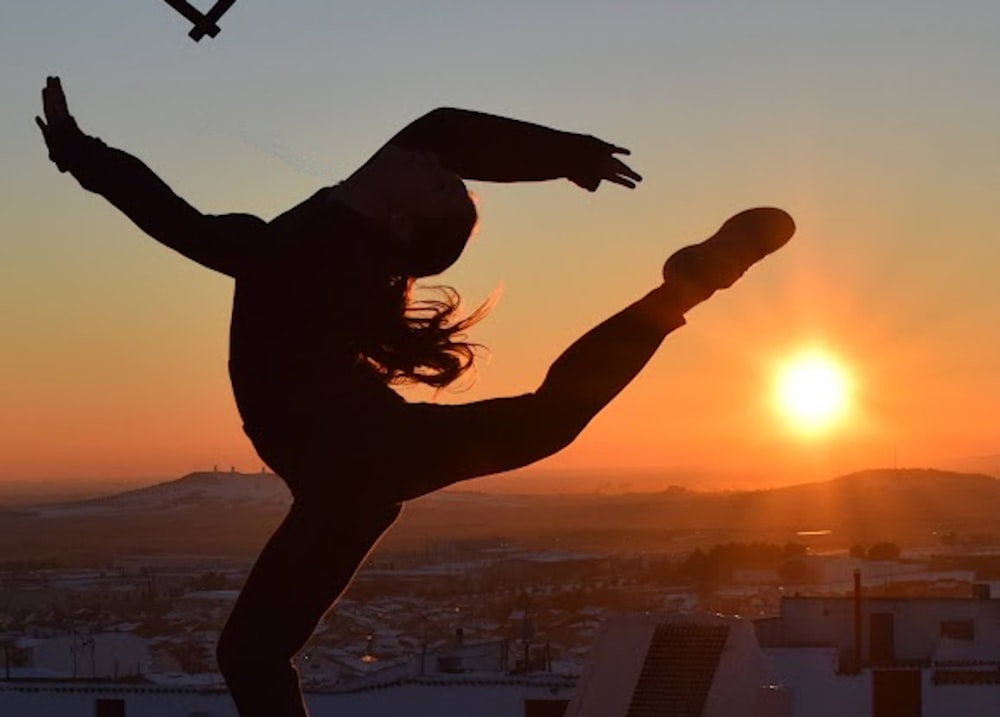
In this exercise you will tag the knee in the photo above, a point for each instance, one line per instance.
(560, 437)
(559, 426)
(241, 662)
(230, 656)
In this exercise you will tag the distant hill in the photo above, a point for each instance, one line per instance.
(875, 504)
(869, 505)
(194, 492)
(988, 464)
(235, 513)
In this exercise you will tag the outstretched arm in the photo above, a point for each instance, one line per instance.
(223, 243)
(486, 147)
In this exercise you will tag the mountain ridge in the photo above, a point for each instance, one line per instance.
(235, 513)
(268, 487)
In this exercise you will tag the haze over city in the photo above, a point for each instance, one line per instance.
(874, 127)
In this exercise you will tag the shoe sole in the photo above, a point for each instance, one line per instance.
(742, 241)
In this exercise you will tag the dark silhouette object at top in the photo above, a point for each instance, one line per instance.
(204, 23)
(325, 321)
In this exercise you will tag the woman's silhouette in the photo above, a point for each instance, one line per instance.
(324, 322)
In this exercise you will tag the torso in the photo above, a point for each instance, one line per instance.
(291, 358)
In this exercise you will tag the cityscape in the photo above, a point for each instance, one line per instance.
(530, 622)
(627, 359)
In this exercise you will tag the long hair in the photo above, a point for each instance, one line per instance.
(419, 340)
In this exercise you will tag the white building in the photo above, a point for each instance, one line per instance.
(107, 655)
(481, 695)
(672, 665)
(822, 657)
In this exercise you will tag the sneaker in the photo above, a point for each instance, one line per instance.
(716, 263)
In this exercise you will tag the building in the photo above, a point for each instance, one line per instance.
(851, 656)
(821, 657)
(83, 655)
(672, 666)
(433, 696)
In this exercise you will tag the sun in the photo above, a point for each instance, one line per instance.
(812, 391)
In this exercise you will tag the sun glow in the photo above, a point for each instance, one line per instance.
(812, 391)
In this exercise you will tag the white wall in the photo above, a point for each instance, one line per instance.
(960, 700)
(409, 700)
(917, 622)
(818, 690)
(115, 654)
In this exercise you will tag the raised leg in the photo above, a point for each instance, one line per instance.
(603, 361)
(437, 445)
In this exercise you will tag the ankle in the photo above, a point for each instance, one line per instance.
(681, 293)
(671, 302)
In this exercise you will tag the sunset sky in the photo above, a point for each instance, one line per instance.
(874, 124)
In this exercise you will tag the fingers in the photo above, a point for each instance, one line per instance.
(54, 101)
(623, 181)
(601, 165)
(619, 167)
(45, 130)
(53, 84)
(617, 172)
(47, 101)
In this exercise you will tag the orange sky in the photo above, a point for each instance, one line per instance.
(114, 358)
(146, 393)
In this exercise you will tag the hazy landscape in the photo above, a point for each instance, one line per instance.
(229, 513)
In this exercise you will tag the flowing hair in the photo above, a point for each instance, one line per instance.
(419, 340)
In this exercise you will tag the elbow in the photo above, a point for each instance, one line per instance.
(557, 425)
(429, 130)
(440, 115)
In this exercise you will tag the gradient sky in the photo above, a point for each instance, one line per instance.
(874, 124)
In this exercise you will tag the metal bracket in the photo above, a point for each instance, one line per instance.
(204, 23)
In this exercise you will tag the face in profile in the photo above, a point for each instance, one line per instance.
(417, 186)
(427, 208)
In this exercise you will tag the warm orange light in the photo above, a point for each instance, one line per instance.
(812, 391)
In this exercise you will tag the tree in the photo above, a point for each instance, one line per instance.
(796, 550)
(793, 571)
(884, 551)
(210, 581)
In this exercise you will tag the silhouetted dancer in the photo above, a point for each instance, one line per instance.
(324, 323)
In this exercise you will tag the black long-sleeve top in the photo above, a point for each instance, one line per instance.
(299, 276)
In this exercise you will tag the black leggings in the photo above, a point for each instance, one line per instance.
(394, 453)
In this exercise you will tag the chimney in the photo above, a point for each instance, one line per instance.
(857, 620)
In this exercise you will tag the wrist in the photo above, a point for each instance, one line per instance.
(66, 144)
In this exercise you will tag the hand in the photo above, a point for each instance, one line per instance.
(59, 127)
(598, 162)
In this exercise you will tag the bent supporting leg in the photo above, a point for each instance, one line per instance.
(303, 569)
